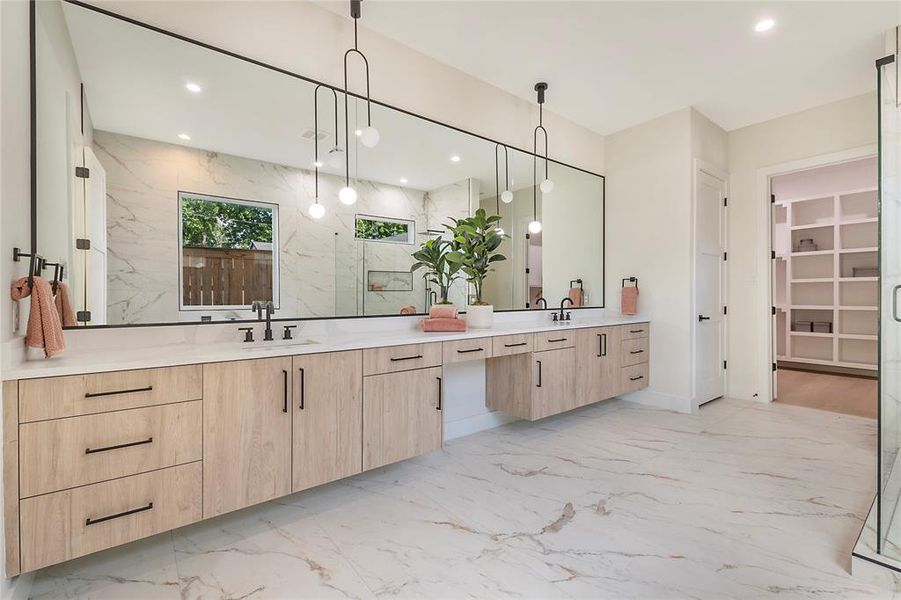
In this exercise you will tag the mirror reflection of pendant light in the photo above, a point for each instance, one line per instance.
(498, 195)
(546, 186)
(369, 135)
(317, 210)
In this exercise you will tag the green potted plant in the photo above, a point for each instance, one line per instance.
(432, 256)
(474, 246)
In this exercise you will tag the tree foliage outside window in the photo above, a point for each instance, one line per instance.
(369, 228)
(221, 224)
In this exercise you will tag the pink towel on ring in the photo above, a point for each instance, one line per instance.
(575, 294)
(44, 329)
(442, 324)
(63, 302)
(629, 303)
(443, 311)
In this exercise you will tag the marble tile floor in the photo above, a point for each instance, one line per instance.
(742, 500)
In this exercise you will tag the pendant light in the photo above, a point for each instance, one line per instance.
(498, 195)
(369, 135)
(316, 210)
(546, 186)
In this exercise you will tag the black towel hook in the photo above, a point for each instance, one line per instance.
(35, 263)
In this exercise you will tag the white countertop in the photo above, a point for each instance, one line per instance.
(310, 339)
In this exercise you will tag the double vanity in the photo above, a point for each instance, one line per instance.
(93, 460)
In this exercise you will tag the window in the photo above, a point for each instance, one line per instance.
(384, 229)
(229, 252)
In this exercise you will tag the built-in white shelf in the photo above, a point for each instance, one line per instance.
(817, 286)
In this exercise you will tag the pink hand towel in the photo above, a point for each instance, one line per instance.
(443, 311)
(44, 328)
(629, 303)
(63, 302)
(442, 324)
(408, 310)
(575, 294)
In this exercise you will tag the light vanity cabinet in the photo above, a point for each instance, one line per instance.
(247, 418)
(598, 364)
(328, 417)
(635, 356)
(402, 403)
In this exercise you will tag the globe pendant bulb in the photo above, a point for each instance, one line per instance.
(317, 211)
(506, 196)
(369, 137)
(547, 186)
(335, 158)
(347, 195)
(535, 227)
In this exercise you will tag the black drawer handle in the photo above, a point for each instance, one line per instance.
(406, 358)
(636, 351)
(439, 393)
(303, 387)
(118, 446)
(131, 391)
(470, 350)
(539, 373)
(90, 521)
(516, 345)
(636, 331)
(285, 403)
(557, 340)
(636, 378)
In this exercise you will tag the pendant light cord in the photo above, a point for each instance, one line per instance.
(540, 88)
(354, 50)
(316, 131)
(497, 177)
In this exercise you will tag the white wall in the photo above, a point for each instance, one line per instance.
(843, 125)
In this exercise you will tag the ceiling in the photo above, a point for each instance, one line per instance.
(611, 65)
(249, 111)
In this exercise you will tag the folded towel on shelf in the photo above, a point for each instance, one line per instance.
(629, 302)
(576, 295)
(443, 311)
(44, 327)
(63, 302)
(408, 310)
(443, 324)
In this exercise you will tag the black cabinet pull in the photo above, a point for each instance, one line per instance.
(470, 350)
(406, 358)
(118, 446)
(636, 378)
(557, 340)
(636, 351)
(636, 331)
(604, 337)
(129, 391)
(600, 345)
(285, 406)
(515, 345)
(303, 382)
(539, 373)
(90, 521)
(439, 393)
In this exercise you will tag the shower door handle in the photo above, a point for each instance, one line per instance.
(895, 303)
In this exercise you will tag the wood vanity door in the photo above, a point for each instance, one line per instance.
(246, 433)
(553, 382)
(610, 362)
(401, 416)
(328, 417)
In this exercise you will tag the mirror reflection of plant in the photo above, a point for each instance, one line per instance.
(473, 248)
(432, 256)
(209, 224)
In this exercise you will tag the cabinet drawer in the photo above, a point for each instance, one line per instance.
(58, 397)
(63, 453)
(505, 345)
(638, 330)
(467, 350)
(390, 359)
(634, 351)
(72, 523)
(635, 377)
(552, 340)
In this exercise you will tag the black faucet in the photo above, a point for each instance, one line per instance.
(563, 316)
(542, 300)
(258, 307)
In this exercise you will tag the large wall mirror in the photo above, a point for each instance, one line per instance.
(201, 183)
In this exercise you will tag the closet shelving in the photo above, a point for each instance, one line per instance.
(833, 283)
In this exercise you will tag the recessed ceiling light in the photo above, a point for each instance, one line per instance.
(764, 25)
(193, 87)
(455, 158)
(184, 136)
(403, 180)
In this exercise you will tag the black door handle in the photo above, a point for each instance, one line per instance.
(703, 318)
(439, 393)
(539, 373)
(303, 381)
(285, 374)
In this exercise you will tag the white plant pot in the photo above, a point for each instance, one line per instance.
(479, 316)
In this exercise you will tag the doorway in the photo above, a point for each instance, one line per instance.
(826, 287)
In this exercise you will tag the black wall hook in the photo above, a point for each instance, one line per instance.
(35, 263)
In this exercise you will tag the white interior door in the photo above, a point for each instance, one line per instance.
(95, 222)
(709, 323)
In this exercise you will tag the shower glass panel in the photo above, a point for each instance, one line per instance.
(889, 518)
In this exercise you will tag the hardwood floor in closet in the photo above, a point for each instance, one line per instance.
(836, 393)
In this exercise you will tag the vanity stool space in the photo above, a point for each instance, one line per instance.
(92, 461)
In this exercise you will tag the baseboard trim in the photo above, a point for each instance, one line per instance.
(476, 423)
(649, 397)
